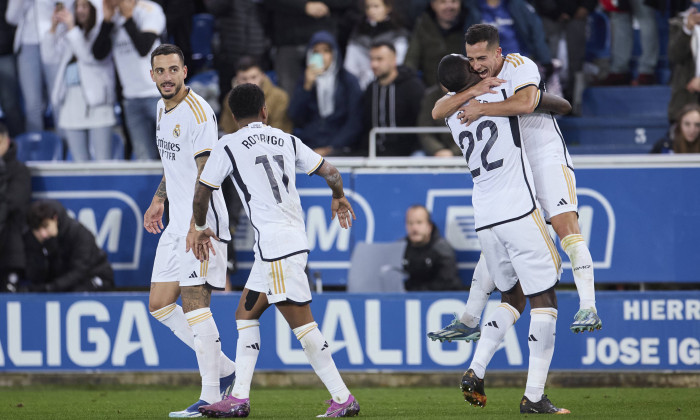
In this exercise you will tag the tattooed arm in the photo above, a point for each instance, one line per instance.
(153, 218)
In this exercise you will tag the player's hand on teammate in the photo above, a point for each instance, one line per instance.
(470, 112)
(341, 207)
(153, 218)
(200, 243)
(485, 86)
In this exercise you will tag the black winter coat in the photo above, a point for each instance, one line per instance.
(432, 266)
(15, 197)
(70, 261)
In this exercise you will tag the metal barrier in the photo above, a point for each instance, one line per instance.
(398, 130)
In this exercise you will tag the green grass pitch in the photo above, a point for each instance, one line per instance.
(141, 402)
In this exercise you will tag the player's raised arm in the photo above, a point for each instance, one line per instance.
(153, 218)
(523, 102)
(449, 104)
(339, 205)
(553, 103)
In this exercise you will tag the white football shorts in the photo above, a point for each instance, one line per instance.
(521, 250)
(281, 280)
(556, 189)
(172, 263)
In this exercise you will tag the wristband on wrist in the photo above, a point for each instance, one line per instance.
(341, 196)
(201, 228)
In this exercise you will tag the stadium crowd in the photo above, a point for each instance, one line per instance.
(80, 68)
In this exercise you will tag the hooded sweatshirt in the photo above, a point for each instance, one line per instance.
(341, 128)
(394, 105)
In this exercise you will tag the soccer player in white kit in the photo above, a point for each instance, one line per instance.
(185, 134)
(518, 251)
(550, 161)
(262, 160)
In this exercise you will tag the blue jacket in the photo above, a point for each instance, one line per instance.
(528, 27)
(343, 127)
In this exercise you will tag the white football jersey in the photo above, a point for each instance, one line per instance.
(543, 140)
(182, 134)
(503, 187)
(261, 161)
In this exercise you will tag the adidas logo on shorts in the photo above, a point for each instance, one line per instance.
(193, 275)
(562, 202)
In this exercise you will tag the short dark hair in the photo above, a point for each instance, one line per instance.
(247, 62)
(379, 44)
(481, 32)
(3, 130)
(246, 100)
(39, 212)
(167, 49)
(454, 73)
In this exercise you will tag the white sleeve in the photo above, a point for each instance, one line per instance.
(218, 167)
(152, 18)
(306, 159)
(204, 135)
(525, 73)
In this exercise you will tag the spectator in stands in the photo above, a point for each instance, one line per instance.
(621, 14)
(248, 70)
(62, 255)
(326, 107)
(435, 144)
(240, 25)
(9, 90)
(379, 24)
(84, 87)
(392, 100)
(684, 136)
(685, 84)
(519, 28)
(293, 24)
(439, 31)
(130, 31)
(33, 19)
(429, 259)
(15, 195)
(566, 19)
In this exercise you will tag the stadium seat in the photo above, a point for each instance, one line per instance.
(201, 37)
(377, 267)
(40, 146)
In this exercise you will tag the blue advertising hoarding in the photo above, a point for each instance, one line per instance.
(638, 219)
(114, 331)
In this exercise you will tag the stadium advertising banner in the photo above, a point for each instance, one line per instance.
(111, 332)
(639, 220)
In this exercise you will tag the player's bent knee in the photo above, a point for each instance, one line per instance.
(547, 299)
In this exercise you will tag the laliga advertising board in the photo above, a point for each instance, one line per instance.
(110, 332)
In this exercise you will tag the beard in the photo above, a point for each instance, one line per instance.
(170, 95)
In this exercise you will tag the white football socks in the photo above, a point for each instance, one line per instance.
(481, 288)
(174, 318)
(492, 332)
(247, 352)
(582, 266)
(207, 347)
(319, 355)
(543, 323)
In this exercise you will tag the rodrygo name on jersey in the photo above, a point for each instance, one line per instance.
(262, 160)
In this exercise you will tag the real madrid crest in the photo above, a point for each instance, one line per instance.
(176, 131)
